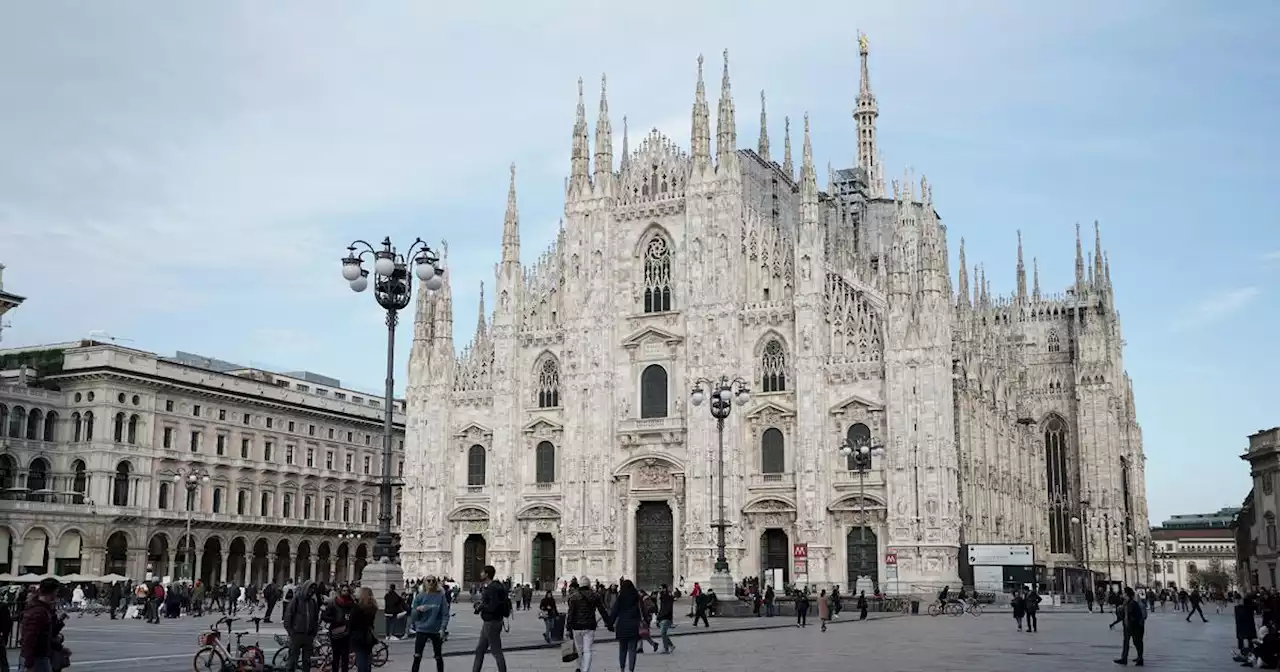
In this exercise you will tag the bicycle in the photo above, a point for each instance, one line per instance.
(213, 655)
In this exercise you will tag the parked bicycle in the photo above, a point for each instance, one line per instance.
(213, 655)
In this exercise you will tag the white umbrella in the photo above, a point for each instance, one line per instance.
(7, 578)
(112, 578)
(30, 578)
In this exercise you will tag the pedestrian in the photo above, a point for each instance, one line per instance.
(626, 616)
(770, 599)
(363, 617)
(824, 609)
(549, 611)
(493, 607)
(580, 619)
(862, 605)
(42, 649)
(1088, 599)
(1195, 598)
(666, 613)
(393, 607)
(1134, 619)
(700, 605)
(1019, 605)
(1033, 608)
(338, 615)
(802, 609)
(301, 618)
(429, 615)
(271, 593)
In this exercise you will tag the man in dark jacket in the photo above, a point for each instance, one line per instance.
(40, 629)
(580, 618)
(272, 594)
(1135, 628)
(301, 618)
(494, 606)
(666, 614)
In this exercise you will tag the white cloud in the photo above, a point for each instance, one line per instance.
(1218, 307)
(1272, 256)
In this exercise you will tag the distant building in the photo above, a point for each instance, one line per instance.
(1188, 544)
(7, 301)
(1263, 552)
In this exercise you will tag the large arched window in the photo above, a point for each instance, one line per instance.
(35, 423)
(1058, 482)
(773, 367)
(217, 500)
(657, 275)
(51, 426)
(1055, 343)
(476, 465)
(8, 472)
(549, 383)
(38, 475)
(857, 435)
(88, 425)
(120, 485)
(162, 502)
(75, 424)
(133, 429)
(16, 416)
(117, 433)
(772, 452)
(653, 392)
(79, 481)
(546, 466)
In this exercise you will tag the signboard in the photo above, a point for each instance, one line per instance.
(1020, 555)
(988, 578)
(800, 557)
(891, 558)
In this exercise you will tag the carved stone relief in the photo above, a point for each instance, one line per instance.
(653, 474)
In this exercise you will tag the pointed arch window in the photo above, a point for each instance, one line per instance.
(773, 456)
(653, 392)
(546, 462)
(1058, 482)
(773, 367)
(549, 383)
(1055, 342)
(657, 275)
(476, 460)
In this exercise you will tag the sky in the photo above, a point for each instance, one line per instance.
(193, 172)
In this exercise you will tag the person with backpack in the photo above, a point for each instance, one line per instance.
(42, 649)
(1135, 627)
(493, 608)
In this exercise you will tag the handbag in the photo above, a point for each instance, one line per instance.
(644, 625)
(59, 659)
(568, 651)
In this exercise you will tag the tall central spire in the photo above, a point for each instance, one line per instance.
(787, 166)
(865, 116)
(808, 180)
(763, 147)
(700, 140)
(580, 165)
(1022, 272)
(727, 125)
(604, 139)
(511, 224)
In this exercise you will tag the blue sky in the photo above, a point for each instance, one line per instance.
(187, 175)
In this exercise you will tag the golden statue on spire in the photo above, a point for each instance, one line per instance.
(862, 43)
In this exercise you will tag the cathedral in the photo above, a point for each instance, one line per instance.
(561, 440)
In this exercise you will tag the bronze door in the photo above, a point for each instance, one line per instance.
(863, 558)
(544, 561)
(474, 551)
(655, 538)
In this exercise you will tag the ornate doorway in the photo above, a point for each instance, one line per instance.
(864, 558)
(655, 539)
(475, 550)
(543, 571)
(775, 553)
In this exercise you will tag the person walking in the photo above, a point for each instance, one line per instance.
(862, 606)
(41, 625)
(494, 606)
(824, 609)
(700, 604)
(429, 615)
(1135, 625)
(1196, 599)
(363, 617)
(1032, 606)
(802, 610)
(580, 619)
(666, 613)
(1019, 605)
(393, 607)
(626, 615)
(338, 615)
(271, 593)
(301, 618)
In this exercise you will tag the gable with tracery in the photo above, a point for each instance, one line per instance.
(658, 171)
(855, 322)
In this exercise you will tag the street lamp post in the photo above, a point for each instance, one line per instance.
(1106, 535)
(191, 478)
(1083, 522)
(1129, 547)
(393, 290)
(858, 455)
(724, 393)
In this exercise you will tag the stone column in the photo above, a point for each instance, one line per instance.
(314, 561)
(197, 564)
(226, 566)
(293, 566)
(271, 567)
(173, 563)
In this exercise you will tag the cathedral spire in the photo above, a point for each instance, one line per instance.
(1035, 279)
(511, 224)
(481, 322)
(727, 124)
(1022, 272)
(700, 140)
(579, 173)
(787, 166)
(963, 290)
(626, 159)
(1097, 251)
(604, 139)
(1079, 260)
(763, 147)
(865, 115)
(808, 180)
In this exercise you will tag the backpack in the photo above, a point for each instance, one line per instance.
(506, 604)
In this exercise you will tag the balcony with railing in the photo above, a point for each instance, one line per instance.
(547, 488)
(776, 481)
(673, 423)
(851, 479)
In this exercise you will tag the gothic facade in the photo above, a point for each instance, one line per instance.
(568, 446)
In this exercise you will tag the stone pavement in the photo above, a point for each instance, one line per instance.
(1067, 642)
